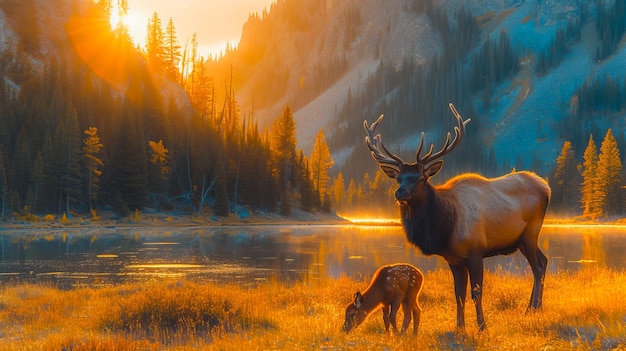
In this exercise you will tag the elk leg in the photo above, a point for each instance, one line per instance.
(386, 317)
(543, 260)
(538, 262)
(476, 279)
(459, 273)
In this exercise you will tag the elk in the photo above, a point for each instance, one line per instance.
(467, 218)
(391, 286)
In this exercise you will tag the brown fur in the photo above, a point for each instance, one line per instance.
(469, 217)
(391, 286)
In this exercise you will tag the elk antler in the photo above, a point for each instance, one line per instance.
(447, 146)
(379, 151)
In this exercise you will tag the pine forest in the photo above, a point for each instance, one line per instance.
(105, 127)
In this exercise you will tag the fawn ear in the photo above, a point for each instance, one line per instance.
(358, 299)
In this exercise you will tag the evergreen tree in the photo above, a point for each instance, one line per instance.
(320, 162)
(366, 189)
(51, 174)
(566, 179)
(91, 149)
(67, 151)
(4, 188)
(351, 193)
(222, 207)
(172, 53)
(37, 184)
(609, 175)
(155, 44)
(589, 202)
(22, 166)
(284, 150)
(126, 171)
(339, 190)
(307, 191)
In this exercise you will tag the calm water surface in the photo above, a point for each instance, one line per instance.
(249, 254)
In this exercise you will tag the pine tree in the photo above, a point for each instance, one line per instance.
(351, 194)
(22, 166)
(91, 149)
(37, 183)
(155, 47)
(284, 151)
(366, 189)
(221, 207)
(67, 151)
(609, 175)
(126, 172)
(49, 189)
(307, 191)
(339, 190)
(566, 178)
(588, 186)
(172, 53)
(320, 162)
(4, 188)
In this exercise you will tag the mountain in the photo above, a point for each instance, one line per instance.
(521, 69)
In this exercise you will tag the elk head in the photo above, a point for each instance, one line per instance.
(412, 177)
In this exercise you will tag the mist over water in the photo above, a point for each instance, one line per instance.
(251, 254)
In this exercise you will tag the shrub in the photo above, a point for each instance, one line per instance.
(178, 311)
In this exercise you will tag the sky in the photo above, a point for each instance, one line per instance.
(215, 22)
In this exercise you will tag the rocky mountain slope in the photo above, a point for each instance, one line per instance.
(526, 110)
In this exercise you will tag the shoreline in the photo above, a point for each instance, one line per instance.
(152, 218)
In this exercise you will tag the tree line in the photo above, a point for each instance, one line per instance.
(73, 142)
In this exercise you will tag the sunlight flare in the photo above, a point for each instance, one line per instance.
(106, 54)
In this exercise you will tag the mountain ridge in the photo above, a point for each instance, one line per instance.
(526, 109)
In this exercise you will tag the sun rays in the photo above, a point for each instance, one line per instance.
(108, 53)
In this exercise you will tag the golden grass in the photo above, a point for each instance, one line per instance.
(583, 310)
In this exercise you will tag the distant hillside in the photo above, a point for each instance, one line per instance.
(525, 72)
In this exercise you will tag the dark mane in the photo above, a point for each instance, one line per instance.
(429, 224)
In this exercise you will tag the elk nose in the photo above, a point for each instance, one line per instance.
(402, 194)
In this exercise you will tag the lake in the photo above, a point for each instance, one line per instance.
(251, 254)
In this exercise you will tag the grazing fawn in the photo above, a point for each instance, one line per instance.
(392, 286)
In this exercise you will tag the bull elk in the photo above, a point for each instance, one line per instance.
(391, 286)
(467, 218)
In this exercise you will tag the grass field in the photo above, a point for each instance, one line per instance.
(583, 310)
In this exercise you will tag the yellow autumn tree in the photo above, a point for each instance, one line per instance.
(319, 164)
(609, 175)
(587, 188)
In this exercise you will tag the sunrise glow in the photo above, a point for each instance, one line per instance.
(364, 220)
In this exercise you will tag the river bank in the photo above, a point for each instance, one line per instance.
(149, 217)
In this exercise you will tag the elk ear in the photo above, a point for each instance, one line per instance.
(358, 299)
(391, 172)
(433, 169)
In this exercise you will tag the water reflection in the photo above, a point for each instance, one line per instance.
(248, 254)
